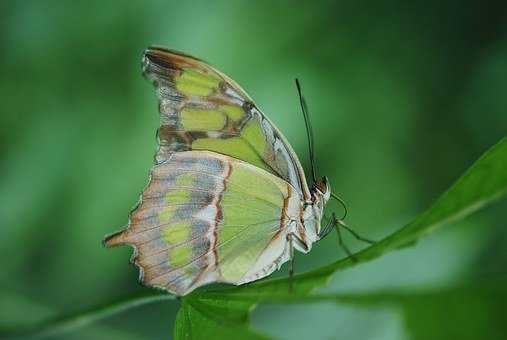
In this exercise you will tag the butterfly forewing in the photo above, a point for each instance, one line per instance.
(203, 109)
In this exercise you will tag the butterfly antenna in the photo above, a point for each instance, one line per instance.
(309, 130)
(342, 203)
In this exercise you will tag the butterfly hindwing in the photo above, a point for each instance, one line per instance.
(206, 217)
(203, 109)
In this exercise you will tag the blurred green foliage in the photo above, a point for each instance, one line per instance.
(403, 97)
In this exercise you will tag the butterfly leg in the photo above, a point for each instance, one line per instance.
(336, 224)
(290, 239)
(356, 235)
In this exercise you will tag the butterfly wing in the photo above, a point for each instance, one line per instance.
(203, 109)
(206, 217)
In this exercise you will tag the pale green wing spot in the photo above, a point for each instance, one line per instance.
(180, 256)
(178, 196)
(178, 233)
(185, 180)
(210, 120)
(250, 146)
(234, 112)
(203, 120)
(196, 83)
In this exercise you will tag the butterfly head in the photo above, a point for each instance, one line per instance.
(322, 189)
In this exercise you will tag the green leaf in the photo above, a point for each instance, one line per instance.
(201, 318)
(65, 323)
(466, 312)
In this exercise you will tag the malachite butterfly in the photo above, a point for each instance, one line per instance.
(227, 200)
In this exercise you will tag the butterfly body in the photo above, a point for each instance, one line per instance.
(227, 197)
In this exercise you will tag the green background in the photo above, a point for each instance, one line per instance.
(403, 97)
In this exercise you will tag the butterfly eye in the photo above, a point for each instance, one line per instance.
(322, 185)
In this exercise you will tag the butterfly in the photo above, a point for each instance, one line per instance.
(227, 200)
